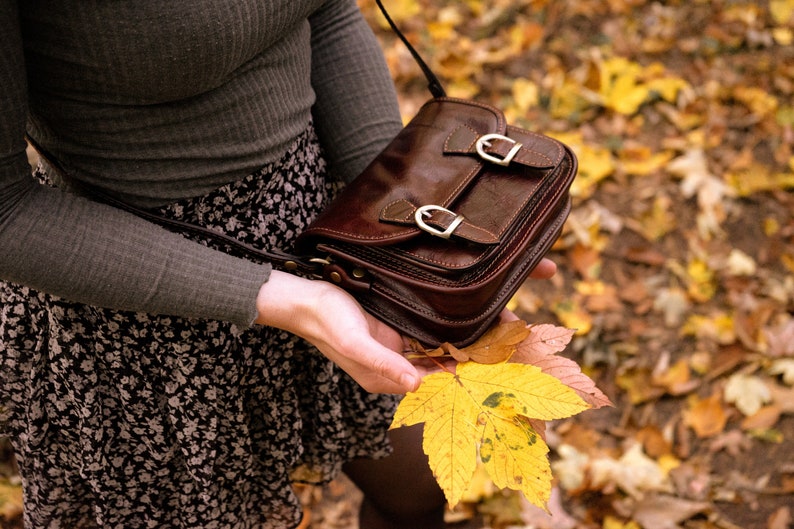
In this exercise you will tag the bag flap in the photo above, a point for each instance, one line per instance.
(427, 171)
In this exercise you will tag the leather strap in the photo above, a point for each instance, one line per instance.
(278, 258)
(404, 212)
(433, 84)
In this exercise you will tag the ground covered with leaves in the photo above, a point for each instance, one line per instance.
(676, 265)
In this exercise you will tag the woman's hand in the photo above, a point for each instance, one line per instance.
(544, 270)
(330, 319)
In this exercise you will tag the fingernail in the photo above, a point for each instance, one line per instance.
(408, 381)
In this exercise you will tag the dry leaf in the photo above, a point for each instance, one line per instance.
(748, 393)
(10, 500)
(498, 344)
(675, 379)
(785, 367)
(545, 339)
(741, 264)
(780, 339)
(763, 419)
(673, 304)
(538, 350)
(667, 512)
(780, 519)
(706, 417)
(634, 473)
(710, 190)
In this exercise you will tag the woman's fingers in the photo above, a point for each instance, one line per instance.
(544, 270)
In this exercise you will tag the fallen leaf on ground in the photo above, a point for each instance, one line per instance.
(747, 392)
(706, 416)
(10, 500)
(634, 473)
(667, 512)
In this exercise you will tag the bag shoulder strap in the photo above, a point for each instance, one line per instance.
(278, 258)
(433, 84)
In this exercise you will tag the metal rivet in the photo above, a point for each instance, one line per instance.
(335, 277)
(290, 265)
(358, 273)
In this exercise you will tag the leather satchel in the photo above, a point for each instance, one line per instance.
(441, 229)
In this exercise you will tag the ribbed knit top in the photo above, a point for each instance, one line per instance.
(154, 101)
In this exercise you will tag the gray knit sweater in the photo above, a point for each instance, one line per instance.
(154, 101)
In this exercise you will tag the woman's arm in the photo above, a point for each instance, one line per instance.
(356, 113)
(83, 251)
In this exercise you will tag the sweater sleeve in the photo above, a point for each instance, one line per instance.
(80, 250)
(356, 112)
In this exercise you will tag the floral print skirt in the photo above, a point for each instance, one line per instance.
(131, 420)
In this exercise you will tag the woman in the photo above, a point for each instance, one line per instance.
(148, 378)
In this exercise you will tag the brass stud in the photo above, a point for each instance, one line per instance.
(335, 277)
(358, 273)
(290, 265)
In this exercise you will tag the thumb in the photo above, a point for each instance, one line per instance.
(383, 363)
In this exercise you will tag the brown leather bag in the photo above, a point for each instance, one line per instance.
(441, 229)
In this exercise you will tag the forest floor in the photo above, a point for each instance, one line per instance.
(676, 266)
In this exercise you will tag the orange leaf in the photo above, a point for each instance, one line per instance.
(498, 344)
(763, 419)
(707, 417)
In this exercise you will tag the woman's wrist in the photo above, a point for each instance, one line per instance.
(285, 301)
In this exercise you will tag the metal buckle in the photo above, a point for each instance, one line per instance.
(425, 211)
(485, 141)
(323, 262)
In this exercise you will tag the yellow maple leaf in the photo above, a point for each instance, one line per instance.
(719, 328)
(659, 220)
(566, 100)
(450, 433)
(400, 10)
(620, 86)
(641, 161)
(515, 456)
(572, 315)
(525, 94)
(490, 407)
(756, 100)
(668, 87)
(700, 279)
(758, 178)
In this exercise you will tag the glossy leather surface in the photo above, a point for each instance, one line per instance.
(446, 289)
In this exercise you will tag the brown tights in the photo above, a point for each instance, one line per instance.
(399, 491)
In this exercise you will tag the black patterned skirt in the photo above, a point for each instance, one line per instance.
(127, 420)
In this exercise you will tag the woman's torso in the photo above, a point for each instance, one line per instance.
(160, 100)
